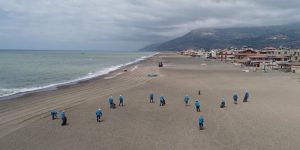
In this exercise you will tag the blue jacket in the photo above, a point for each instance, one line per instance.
(121, 98)
(235, 96)
(247, 94)
(62, 115)
(186, 98)
(151, 95)
(201, 120)
(98, 112)
(197, 103)
(161, 98)
(110, 100)
(53, 112)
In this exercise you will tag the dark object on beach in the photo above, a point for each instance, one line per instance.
(199, 92)
(198, 108)
(64, 121)
(160, 64)
(163, 103)
(201, 126)
(125, 70)
(152, 75)
(113, 106)
(245, 99)
(222, 104)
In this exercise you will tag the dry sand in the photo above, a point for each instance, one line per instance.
(271, 120)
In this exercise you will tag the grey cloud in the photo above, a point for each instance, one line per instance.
(128, 24)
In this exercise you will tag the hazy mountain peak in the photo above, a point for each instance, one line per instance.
(256, 37)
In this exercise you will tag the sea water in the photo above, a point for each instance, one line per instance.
(29, 70)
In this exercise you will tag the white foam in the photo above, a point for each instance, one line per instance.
(115, 75)
(134, 68)
(8, 92)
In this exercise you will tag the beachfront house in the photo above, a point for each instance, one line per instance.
(268, 57)
(225, 55)
(243, 56)
(190, 52)
(295, 55)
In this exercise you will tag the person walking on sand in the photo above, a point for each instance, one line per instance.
(53, 114)
(246, 96)
(186, 100)
(99, 114)
(121, 98)
(222, 103)
(111, 102)
(235, 98)
(63, 118)
(201, 122)
(197, 105)
(151, 96)
(162, 101)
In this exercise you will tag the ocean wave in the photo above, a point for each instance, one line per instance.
(4, 92)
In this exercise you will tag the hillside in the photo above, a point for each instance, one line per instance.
(256, 37)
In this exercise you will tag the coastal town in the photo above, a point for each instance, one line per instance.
(266, 59)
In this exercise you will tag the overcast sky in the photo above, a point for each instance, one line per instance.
(127, 24)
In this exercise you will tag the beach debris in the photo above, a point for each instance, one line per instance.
(125, 70)
(152, 75)
(245, 70)
(199, 92)
(160, 64)
(203, 64)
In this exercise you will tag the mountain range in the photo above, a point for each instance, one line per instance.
(255, 37)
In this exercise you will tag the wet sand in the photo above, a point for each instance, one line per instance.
(270, 120)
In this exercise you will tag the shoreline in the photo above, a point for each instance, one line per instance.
(57, 86)
(38, 104)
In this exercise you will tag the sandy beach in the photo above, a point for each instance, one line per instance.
(269, 121)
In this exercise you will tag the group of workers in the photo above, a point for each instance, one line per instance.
(162, 101)
(63, 117)
(235, 99)
(112, 104)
